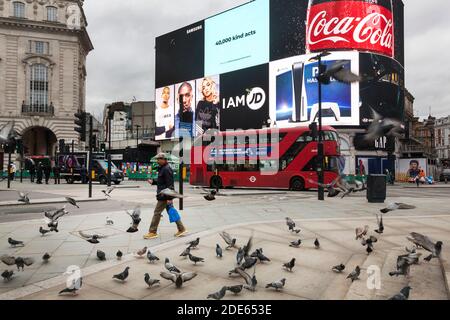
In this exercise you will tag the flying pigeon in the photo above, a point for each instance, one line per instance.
(123, 275)
(101, 255)
(72, 202)
(289, 265)
(135, 215)
(43, 231)
(7, 275)
(193, 244)
(317, 244)
(369, 243)
(340, 73)
(250, 281)
(403, 295)
(23, 197)
(218, 295)
(361, 232)
(149, 281)
(397, 206)
(151, 257)
(383, 127)
(171, 193)
(218, 251)
(119, 255)
(296, 244)
(259, 254)
(235, 289)
(195, 259)
(46, 257)
(354, 275)
(248, 263)
(15, 243)
(425, 242)
(169, 266)
(240, 256)
(338, 268)
(7, 133)
(290, 223)
(91, 238)
(277, 285)
(231, 243)
(19, 261)
(178, 278)
(53, 226)
(211, 196)
(55, 216)
(108, 191)
(380, 224)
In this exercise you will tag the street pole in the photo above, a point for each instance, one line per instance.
(321, 192)
(137, 147)
(180, 172)
(21, 164)
(109, 148)
(9, 167)
(90, 156)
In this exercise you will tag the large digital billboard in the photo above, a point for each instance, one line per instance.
(250, 67)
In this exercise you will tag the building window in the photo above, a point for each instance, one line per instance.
(39, 47)
(19, 9)
(52, 14)
(39, 88)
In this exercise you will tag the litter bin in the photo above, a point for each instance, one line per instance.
(376, 188)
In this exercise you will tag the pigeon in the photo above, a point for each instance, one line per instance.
(7, 275)
(231, 243)
(218, 295)
(317, 244)
(380, 229)
(369, 243)
(240, 256)
(101, 255)
(277, 285)
(361, 232)
(360, 186)
(119, 255)
(194, 244)
(55, 216)
(46, 257)
(347, 192)
(140, 253)
(338, 268)
(354, 275)
(296, 244)
(19, 261)
(169, 266)
(403, 295)
(149, 281)
(43, 231)
(178, 278)
(250, 281)
(382, 127)
(425, 242)
(195, 259)
(211, 196)
(53, 227)
(109, 222)
(397, 206)
(72, 202)
(15, 243)
(151, 257)
(248, 263)
(123, 275)
(74, 287)
(290, 223)
(23, 197)
(403, 266)
(235, 289)
(108, 191)
(339, 73)
(290, 265)
(171, 193)
(261, 257)
(135, 215)
(7, 133)
(91, 238)
(218, 251)
(186, 252)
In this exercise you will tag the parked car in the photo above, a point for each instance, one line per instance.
(445, 175)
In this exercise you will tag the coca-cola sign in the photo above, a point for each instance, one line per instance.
(355, 25)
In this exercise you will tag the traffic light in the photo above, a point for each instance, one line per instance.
(81, 124)
(102, 147)
(19, 146)
(93, 142)
(314, 132)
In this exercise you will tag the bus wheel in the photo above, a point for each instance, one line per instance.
(69, 180)
(103, 180)
(297, 184)
(216, 182)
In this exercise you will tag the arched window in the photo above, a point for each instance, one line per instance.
(39, 88)
(18, 9)
(52, 14)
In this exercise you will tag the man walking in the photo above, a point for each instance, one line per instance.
(165, 180)
(56, 174)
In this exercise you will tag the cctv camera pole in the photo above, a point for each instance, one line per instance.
(321, 194)
(90, 155)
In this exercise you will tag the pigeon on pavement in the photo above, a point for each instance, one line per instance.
(290, 265)
(261, 257)
(397, 206)
(361, 232)
(248, 263)
(296, 244)
(46, 257)
(149, 281)
(403, 266)
(290, 223)
(211, 196)
(178, 278)
(108, 191)
(43, 231)
(380, 224)
(240, 256)
(101, 255)
(7, 275)
(402, 295)
(15, 243)
(186, 252)
(250, 281)
(135, 215)
(109, 221)
(317, 244)
(193, 244)
(338, 268)
(195, 259)
(119, 255)
(219, 251)
(170, 267)
(91, 238)
(231, 242)
(23, 197)
(217, 295)
(235, 289)
(425, 242)
(140, 253)
(74, 287)
(151, 257)
(277, 285)
(369, 243)
(354, 275)
(123, 275)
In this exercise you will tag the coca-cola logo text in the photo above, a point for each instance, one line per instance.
(350, 25)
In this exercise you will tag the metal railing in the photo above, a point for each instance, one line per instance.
(38, 109)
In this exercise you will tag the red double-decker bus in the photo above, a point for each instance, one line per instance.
(266, 158)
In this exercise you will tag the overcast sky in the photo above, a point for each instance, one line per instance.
(123, 33)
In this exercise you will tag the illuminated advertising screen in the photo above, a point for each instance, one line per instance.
(238, 38)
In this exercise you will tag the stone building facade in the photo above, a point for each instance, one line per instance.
(43, 50)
